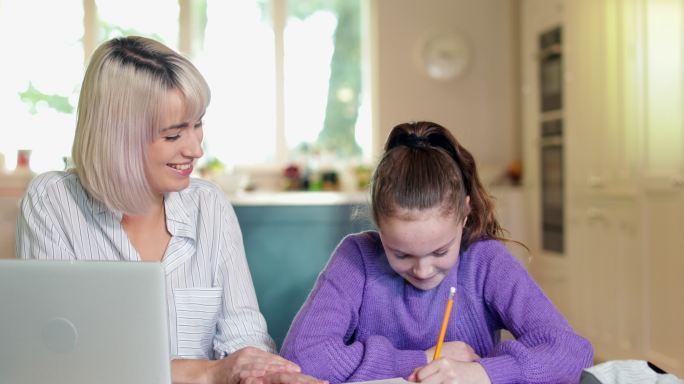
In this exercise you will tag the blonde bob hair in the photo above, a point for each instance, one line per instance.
(124, 97)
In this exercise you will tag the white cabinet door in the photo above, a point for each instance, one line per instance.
(662, 90)
(662, 182)
(604, 241)
(601, 117)
(663, 270)
(621, 280)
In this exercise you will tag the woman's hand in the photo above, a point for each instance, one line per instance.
(455, 350)
(445, 370)
(284, 378)
(246, 363)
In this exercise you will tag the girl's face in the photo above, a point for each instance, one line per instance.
(422, 246)
(171, 154)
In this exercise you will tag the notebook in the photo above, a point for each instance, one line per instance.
(394, 380)
(83, 322)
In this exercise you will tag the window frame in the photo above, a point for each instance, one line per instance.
(189, 26)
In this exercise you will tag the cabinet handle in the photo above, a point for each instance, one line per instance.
(595, 181)
(677, 180)
(595, 214)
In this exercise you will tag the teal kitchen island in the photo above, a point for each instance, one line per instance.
(289, 237)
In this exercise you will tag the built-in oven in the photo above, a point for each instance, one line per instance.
(552, 195)
(551, 70)
(551, 139)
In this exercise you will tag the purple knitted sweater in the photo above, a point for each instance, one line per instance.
(362, 321)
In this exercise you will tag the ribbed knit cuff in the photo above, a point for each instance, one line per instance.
(377, 363)
(407, 361)
(502, 369)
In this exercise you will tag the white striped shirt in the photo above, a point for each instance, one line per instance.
(212, 306)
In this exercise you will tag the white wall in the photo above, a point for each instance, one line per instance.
(481, 107)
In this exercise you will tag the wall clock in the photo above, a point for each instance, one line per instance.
(445, 56)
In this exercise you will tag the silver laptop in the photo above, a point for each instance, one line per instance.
(83, 322)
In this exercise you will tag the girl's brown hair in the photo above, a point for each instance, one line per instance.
(425, 167)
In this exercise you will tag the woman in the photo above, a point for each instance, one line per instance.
(130, 198)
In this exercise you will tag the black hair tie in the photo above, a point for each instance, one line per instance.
(414, 141)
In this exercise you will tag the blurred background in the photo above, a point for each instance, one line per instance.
(572, 109)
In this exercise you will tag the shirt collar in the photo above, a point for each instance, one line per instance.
(178, 218)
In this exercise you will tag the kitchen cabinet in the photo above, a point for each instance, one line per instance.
(662, 181)
(662, 267)
(602, 98)
(619, 281)
(551, 270)
(607, 284)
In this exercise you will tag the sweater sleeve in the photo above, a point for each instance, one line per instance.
(545, 349)
(322, 339)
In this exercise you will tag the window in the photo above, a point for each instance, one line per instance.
(285, 75)
(237, 56)
(40, 72)
(117, 18)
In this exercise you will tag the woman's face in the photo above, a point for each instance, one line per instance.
(422, 246)
(171, 154)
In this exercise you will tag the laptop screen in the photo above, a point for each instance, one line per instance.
(83, 322)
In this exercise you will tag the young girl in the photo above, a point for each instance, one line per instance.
(376, 310)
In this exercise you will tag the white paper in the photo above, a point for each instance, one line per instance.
(394, 380)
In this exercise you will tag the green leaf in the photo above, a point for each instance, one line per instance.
(33, 96)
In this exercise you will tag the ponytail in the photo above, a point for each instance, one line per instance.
(423, 167)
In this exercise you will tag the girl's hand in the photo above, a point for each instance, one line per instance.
(455, 350)
(245, 363)
(445, 370)
(284, 378)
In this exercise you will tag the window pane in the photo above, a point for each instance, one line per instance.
(40, 78)
(324, 112)
(323, 86)
(157, 19)
(238, 61)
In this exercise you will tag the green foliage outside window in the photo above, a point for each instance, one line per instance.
(32, 97)
(337, 135)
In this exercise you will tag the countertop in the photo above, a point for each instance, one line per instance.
(259, 198)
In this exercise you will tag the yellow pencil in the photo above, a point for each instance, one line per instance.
(445, 322)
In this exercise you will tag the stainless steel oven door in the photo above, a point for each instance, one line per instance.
(552, 194)
(551, 70)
